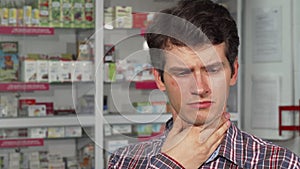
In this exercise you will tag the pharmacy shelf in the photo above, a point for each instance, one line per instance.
(83, 120)
(136, 118)
(146, 118)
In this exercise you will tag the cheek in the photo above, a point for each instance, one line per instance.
(220, 85)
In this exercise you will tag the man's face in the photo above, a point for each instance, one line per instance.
(197, 82)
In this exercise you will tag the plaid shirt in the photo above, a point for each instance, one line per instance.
(238, 150)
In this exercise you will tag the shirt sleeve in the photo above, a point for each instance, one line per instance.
(164, 161)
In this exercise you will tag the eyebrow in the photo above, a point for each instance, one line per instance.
(178, 68)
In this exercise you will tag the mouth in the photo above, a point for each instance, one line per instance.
(201, 104)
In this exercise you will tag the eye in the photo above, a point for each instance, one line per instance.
(213, 69)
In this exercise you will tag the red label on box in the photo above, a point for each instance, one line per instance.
(25, 102)
(146, 85)
(139, 20)
(11, 143)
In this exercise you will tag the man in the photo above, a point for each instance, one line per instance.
(194, 47)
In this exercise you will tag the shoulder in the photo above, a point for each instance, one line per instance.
(263, 152)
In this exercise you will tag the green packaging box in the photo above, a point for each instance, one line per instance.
(56, 13)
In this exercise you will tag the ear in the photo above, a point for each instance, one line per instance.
(234, 77)
(157, 77)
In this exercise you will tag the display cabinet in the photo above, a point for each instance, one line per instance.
(47, 108)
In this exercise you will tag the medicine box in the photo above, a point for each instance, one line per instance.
(37, 110)
(56, 132)
(40, 132)
(8, 105)
(42, 70)
(78, 14)
(82, 71)
(108, 18)
(9, 65)
(28, 71)
(54, 71)
(66, 70)
(139, 20)
(121, 129)
(123, 17)
(73, 131)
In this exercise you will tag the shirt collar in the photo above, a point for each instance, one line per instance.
(231, 147)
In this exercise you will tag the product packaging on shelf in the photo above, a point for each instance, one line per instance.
(8, 105)
(12, 16)
(123, 17)
(83, 71)
(39, 132)
(36, 110)
(66, 71)
(42, 71)
(20, 14)
(122, 129)
(84, 51)
(89, 13)
(113, 144)
(85, 104)
(44, 12)
(54, 70)
(108, 18)
(140, 20)
(150, 107)
(56, 132)
(4, 160)
(109, 53)
(23, 106)
(28, 70)
(144, 129)
(55, 161)
(9, 61)
(109, 72)
(27, 15)
(35, 16)
(14, 160)
(78, 14)
(55, 13)
(71, 131)
(67, 13)
(49, 107)
(4, 16)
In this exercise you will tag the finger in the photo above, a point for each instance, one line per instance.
(214, 146)
(217, 135)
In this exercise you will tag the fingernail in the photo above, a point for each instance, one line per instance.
(227, 115)
(228, 123)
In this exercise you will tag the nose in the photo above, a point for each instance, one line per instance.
(200, 85)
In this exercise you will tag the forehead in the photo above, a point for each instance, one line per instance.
(204, 55)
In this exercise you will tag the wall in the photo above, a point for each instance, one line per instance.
(268, 73)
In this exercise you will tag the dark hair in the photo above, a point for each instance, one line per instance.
(192, 23)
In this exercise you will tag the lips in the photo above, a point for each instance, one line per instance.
(201, 105)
